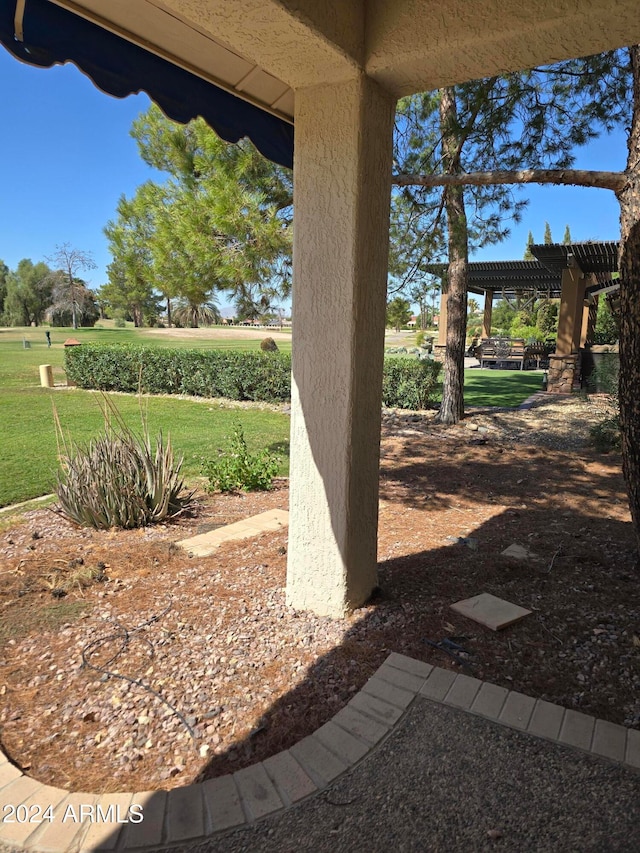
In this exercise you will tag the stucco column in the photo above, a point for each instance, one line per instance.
(488, 310)
(342, 187)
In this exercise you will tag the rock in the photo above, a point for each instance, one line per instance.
(517, 552)
(473, 427)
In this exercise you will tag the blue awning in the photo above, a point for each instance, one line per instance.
(52, 35)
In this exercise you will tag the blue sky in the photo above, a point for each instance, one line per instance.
(67, 157)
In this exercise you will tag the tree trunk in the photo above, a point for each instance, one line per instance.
(629, 199)
(452, 406)
(168, 312)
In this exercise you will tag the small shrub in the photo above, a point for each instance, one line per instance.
(238, 470)
(119, 480)
(268, 345)
(119, 323)
(606, 435)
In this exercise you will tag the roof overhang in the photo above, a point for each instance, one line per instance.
(234, 98)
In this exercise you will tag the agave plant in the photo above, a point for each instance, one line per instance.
(119, 479)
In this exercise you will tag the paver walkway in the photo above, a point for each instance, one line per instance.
(205, 544)
(42, 818)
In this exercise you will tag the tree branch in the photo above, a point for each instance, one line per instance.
(615, 181)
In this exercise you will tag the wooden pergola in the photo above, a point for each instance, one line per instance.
(575, 273)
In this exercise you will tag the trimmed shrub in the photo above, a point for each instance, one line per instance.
(199, 373)
(268, 345)
(261, 376)
(409, 383)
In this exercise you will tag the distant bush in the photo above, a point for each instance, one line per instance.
(408, 383)
(268, 345)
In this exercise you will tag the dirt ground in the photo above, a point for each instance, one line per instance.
(125, 664)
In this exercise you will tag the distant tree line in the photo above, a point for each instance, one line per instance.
(35, 293)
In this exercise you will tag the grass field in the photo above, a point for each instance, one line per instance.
(28, 455)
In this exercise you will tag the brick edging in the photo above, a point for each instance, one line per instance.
(195, 812)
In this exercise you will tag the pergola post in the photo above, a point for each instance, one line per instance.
(488, 310)
(342, 188)
(589, 317)
(442, 317)
(564, 364)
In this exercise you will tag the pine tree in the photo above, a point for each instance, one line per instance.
(548, 239)
(567, 236)
(611, 82)
(530, 120)
(528, 254)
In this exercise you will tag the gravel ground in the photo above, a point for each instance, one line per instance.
(449, 781)
(249, 675)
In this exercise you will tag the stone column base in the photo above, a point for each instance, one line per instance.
(438, 352)
(564, 373)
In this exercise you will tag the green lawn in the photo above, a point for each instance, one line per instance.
(29, 450)
(506, 388)
(198, 429)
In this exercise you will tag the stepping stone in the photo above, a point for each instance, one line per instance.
(488, 610)
(206, 544)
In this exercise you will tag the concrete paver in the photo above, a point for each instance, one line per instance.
(69, 823)
(491, 611)
(150, 831)
(205, 544)
(609, 740)
(438, 684)
(290, 780)
(577, 729)
(463, 691)
(397, 677)
(632, 754)
(489, 701)
(388, 692)
(360, 725)
(376, 708)
(222, 800)
(318, 762)
(517, 710)
(40, 804)
(185, 813)
(103, 832)
(546, 720)
(257, 792)
(342, 743)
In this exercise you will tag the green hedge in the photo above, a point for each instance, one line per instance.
(266, 376)
(200, 373)
(409, 383)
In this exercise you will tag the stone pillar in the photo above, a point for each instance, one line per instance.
(564, 373)
(488, 310)
(342, 188)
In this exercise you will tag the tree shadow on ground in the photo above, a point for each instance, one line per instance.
(577, 646)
